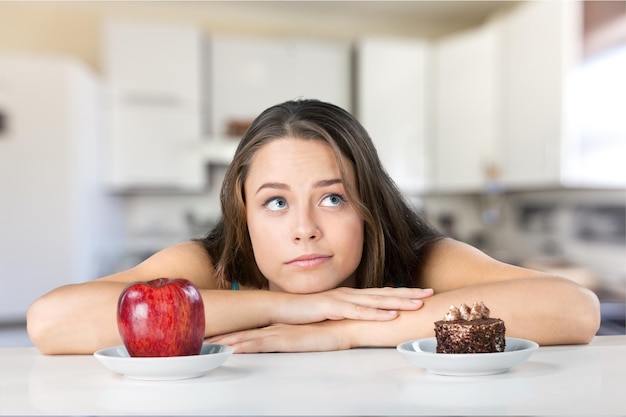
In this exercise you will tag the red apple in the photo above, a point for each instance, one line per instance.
(162, 317)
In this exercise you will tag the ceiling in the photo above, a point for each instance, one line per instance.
(421, 11)
(422, 18)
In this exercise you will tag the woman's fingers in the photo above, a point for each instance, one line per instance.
(379, 304)
(373, 303)
(385, 298)
(284, 338)
(360, 312)
(399, 291)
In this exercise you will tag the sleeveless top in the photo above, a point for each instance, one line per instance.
(234, 286)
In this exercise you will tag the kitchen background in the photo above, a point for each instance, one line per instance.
(501, 121)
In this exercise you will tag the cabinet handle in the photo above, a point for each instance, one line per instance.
(152, 99)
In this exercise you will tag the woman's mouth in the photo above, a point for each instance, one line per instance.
(309, 261)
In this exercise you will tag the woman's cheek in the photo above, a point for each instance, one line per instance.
(265, 245)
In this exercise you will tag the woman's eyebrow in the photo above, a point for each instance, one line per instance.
(282, 186)
(326, 183)
(273, 185)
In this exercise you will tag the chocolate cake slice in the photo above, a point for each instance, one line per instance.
(465, 330)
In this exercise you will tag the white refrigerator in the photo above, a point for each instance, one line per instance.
(58, 225)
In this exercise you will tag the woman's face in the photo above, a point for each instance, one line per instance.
(306, 236)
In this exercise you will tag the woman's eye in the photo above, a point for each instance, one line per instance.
(275, 204)
(333, 200)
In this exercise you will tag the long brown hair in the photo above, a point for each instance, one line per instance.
(396, 238)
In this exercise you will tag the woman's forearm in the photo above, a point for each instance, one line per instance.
(231, 311)
(82, 318)
(76, 318)
(547, 310)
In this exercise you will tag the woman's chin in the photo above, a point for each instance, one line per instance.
(307, 287)
(300, 290)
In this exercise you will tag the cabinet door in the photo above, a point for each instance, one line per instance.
(152, 73)
(150, 147)
(249, 75)
(391, 105)
(150, 61)
(466, 120)
(321, 70)
(541, 45)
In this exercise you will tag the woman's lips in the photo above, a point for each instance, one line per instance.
(309, 261)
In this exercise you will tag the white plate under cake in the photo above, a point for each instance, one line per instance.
(423, 353)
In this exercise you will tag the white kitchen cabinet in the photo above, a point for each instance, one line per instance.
(563, 120)
(250, 74)
(542, 47)
(467, 109)
(391, 105)
(153, 75)
(516, 103)
(58, 225)
(154, 147)
(152, 62)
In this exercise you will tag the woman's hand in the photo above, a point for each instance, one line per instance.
(322, 321)
(315, 337)
(379, 304)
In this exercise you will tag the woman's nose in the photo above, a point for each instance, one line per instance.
(305, 227)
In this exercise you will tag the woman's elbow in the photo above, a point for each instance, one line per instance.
(39, 325)
(589, 318)
(582, 316)
(573, 316)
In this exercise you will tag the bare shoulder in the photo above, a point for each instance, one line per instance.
(452, 264)
(187, 260)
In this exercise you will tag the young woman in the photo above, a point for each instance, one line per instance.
(317, 250)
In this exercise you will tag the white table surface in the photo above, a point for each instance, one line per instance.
(557, 380)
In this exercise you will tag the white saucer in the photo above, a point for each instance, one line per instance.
(164, 368)
(422, 352)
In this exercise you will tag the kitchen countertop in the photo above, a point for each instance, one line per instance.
(555, 380)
